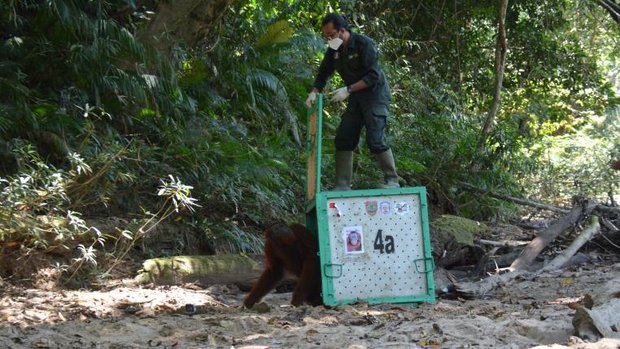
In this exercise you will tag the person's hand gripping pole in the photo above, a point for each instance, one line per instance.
(311, 99)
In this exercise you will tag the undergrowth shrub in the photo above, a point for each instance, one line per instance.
(34, 214)
(38, 228)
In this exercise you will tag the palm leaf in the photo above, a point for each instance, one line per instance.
(279, 32)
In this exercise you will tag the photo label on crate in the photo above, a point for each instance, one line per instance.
(353, 239)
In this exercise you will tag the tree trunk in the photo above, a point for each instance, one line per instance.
(186, 21)
(500, 65)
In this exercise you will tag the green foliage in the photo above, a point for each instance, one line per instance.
(250, 147)
(228, 116)
(440, 62)
(229, 237)
(34, 217)
(279, 32)
(577, 164)
(68, 65)
(177, 196)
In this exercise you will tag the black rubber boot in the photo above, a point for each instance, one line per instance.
(344, 170)
(387, 165)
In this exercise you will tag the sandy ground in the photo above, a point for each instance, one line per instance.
(522, 314)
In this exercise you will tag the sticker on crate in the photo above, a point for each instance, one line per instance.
(385, 208)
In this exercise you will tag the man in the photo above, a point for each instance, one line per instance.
(355, 58)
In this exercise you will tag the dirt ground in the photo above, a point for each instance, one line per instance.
(522, 314)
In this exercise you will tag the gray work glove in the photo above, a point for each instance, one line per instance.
(340, 94)
(311, 99)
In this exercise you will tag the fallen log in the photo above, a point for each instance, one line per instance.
(453, 240)
(533, 249)
(242, 270)
(481, 267)
(593, 228)
(455, 257)
(472, 188)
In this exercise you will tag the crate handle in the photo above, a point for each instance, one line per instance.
(331, 266)
(429, 265)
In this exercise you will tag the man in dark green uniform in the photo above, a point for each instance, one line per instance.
(355, 58)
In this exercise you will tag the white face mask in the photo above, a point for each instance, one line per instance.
(334, 43)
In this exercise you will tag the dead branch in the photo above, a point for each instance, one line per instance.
(483, 287)
(613, 238)
(612, 8)
(495, 262)
(536, 246)
(608, 209)
(545, 237)
(609, 225)
(593, 228)
(492, 261)
(472, 188)
(503, 243)
(481, 266)
(533, 249)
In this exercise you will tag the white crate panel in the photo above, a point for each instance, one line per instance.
(372, 274)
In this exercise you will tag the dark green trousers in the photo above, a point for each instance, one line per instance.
(360, 114)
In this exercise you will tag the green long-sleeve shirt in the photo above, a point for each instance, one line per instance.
(358, 61)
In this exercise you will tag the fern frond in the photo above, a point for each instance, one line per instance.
(5, 121)
(267, 80)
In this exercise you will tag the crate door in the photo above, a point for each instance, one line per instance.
(375, 249)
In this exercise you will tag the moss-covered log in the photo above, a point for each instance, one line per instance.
(452, 240)
(242, 270)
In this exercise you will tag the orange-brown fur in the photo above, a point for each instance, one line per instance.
(294, 249)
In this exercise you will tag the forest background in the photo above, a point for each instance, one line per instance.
(193, 112)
